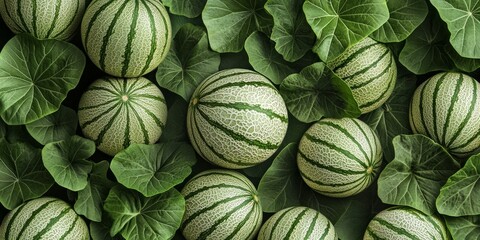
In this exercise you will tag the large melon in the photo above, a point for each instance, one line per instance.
(401, 222)
(369, 69)
(236, 118)
(44, 218)
(126, 38)
(44, 19)
(116, 112)
(221, 205)
(446, 108)
(297, 223)
(339, 157)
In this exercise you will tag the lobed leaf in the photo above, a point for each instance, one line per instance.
(136, 217)
(155, 168)
(317, 92)
(416, 174)
(35, 77)
(67, 162)
(339, 24)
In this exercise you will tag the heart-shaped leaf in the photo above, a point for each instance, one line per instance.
(67, 162)
(416, 174)
(317, 92)
(137, 218)
(339, 24)
(22, 174)
(57, 126)
(153, 169)
(35, 77)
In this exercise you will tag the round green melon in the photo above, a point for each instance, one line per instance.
(369, 69)
(339, 157)
(44, 19)
(126, 38)
(220, 204)
(297, 223)
(44, 218)
(236, 118)
(446, 108)
(116, 112)
(402, 223)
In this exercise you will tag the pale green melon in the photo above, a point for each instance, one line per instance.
(116, 112)
(236, 118)
(44, 218)
(44, 19)
(339, 157)
(126, 38)
(369, 69)
(404, 223)
(221, 205)
(446, 108)
(297, 223)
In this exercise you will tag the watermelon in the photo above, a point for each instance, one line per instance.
(220, 204)
(236, 118)
(44, 218)
(369, 69)
(401, 222)
(446, 108)
(116, 112)
(126, 38)
(297, 223)
(339, 157)
(44, 19)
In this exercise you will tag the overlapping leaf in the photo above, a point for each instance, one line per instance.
(339, 24)
(54, 127)
(35, 77)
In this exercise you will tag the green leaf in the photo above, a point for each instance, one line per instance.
(136, 217)
(424, 49)
(67, 162)
(291, 32)
(391, 119)
(463, 21)
(22, 174)
(265, 60)
(405, 17)
(35, 77)
(462, 63)
(176, 129)
(339, 24)
(459, 196)
(90, 199)
(350, 216)
(3, 129)
(57, 126)
(416, 174)
(101, 231)
(187, 8)
(188, 62)
(279, 186)
(317, 92)
(230, 22)
(155, 168)
(467, 227)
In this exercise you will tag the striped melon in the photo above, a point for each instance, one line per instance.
(220, 204)
(402, 223)
(115, 112)
(44, 218)
(126, 38)
(369, 69)
(236, 118)
(339, 157)
(297, 223)
(446, 108)
(44, 19)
